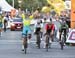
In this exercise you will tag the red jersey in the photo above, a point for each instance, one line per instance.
(52, 27)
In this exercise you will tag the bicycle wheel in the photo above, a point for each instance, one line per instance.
(47, 43)
(25, 49)
(62, 44)
(38, 40)
(25, 46)
(5, 27)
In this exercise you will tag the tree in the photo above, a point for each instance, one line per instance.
(9, 1)
(29, 4)
(33, 4)
(16, 3)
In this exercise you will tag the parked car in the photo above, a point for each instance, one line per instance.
(16, 24)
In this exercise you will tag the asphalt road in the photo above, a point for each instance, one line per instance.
(10, 47)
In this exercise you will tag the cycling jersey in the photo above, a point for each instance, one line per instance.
(26, 25)
(49, 28)
(38, 27)
(65, 26)
(52, 27)
(26, 22)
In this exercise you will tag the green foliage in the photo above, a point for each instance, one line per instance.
(9, 1)
(33, 4)
(29, 4)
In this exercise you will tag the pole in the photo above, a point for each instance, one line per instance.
(13, 3)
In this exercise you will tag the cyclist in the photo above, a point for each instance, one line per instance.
(49, 28)
(63, 27)
(1, 24)
(38, 29)
(5, 23)
(26, 27)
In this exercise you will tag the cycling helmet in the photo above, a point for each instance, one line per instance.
(49, 22)
(63, 22)
(38, 21)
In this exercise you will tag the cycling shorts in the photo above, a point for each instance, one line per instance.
(37, 30)
(26, 31)
(48, 31)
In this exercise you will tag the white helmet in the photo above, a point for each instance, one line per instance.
(38, 21)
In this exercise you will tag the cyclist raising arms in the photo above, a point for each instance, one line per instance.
(26, 28)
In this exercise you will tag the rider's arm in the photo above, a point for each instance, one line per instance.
(60, 27)
(67, 26)
(46, 27)
(31, 17)
(2, 20)
(23, 16)
(41, 26)
(53, 27)
(35, 26)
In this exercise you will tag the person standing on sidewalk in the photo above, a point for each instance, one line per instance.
(1, 24)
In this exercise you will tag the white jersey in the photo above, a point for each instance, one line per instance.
(37, 26)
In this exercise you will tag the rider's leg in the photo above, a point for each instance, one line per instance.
(23, 37)
(46, 35)
(65, 36)
(41, 35)
(29, 34)
(22, 44)
(60, 32)
(24, 40)
(45, 41)
(5, 23)
(52, 36)
(36, 33)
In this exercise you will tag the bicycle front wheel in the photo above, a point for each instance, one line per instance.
(47, 43)
(25, 46)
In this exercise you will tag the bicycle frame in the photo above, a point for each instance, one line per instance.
(25, 43)
(5, 26)
(38, 39)
(48, 41)
(62, 40)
